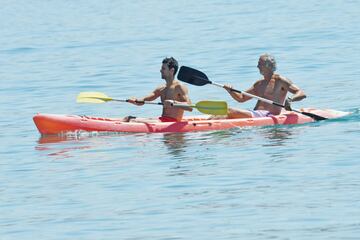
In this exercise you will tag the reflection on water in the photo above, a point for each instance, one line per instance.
(45, 139)
(58, 145)
(63, 145)
(277, 136)
(237, 137)
(182, 147)
(175, 142)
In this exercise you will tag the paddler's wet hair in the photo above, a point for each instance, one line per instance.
(171, 63)
(269, 61)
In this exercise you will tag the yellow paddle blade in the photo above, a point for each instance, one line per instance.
(212, 107)
(92, 97)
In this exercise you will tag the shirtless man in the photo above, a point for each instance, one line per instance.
(273, 87)
(170, 93)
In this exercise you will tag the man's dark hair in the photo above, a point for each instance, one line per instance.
(171, 63)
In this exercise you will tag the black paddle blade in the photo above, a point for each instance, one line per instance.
(192, 76)
(314, 116)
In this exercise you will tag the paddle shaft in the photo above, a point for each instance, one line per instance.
(250, 95)
(159, 103)
(314, 116)
(155, 103)
(198, 78)
(207, 107)
(106, 99)
(145, 102)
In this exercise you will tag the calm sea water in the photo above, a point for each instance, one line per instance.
(285, 182)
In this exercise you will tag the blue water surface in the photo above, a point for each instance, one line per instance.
(282, 182)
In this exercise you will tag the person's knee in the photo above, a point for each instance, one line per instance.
(237, 113)
(233, 113)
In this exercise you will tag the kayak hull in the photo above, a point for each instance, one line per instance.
(57, 124)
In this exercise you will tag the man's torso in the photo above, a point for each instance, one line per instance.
(274, 90)
(172, 92)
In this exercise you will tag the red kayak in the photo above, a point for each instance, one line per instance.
(56, 123)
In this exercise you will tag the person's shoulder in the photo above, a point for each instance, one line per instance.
(160, 87)
(258, 82)
(179, 85)
(177, 82)
(282, 79)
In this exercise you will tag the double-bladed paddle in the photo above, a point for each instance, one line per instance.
(198, 78)
(207, 107)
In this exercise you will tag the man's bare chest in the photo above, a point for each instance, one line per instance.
(273, 88)
(169, 94)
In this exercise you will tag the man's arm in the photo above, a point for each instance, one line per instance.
(298, 93)
(239, 96)
(151, 97)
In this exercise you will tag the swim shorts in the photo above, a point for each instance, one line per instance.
(167, 119)
(260, 113)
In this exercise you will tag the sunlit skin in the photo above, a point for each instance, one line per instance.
(272, 86)
(173, 92)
